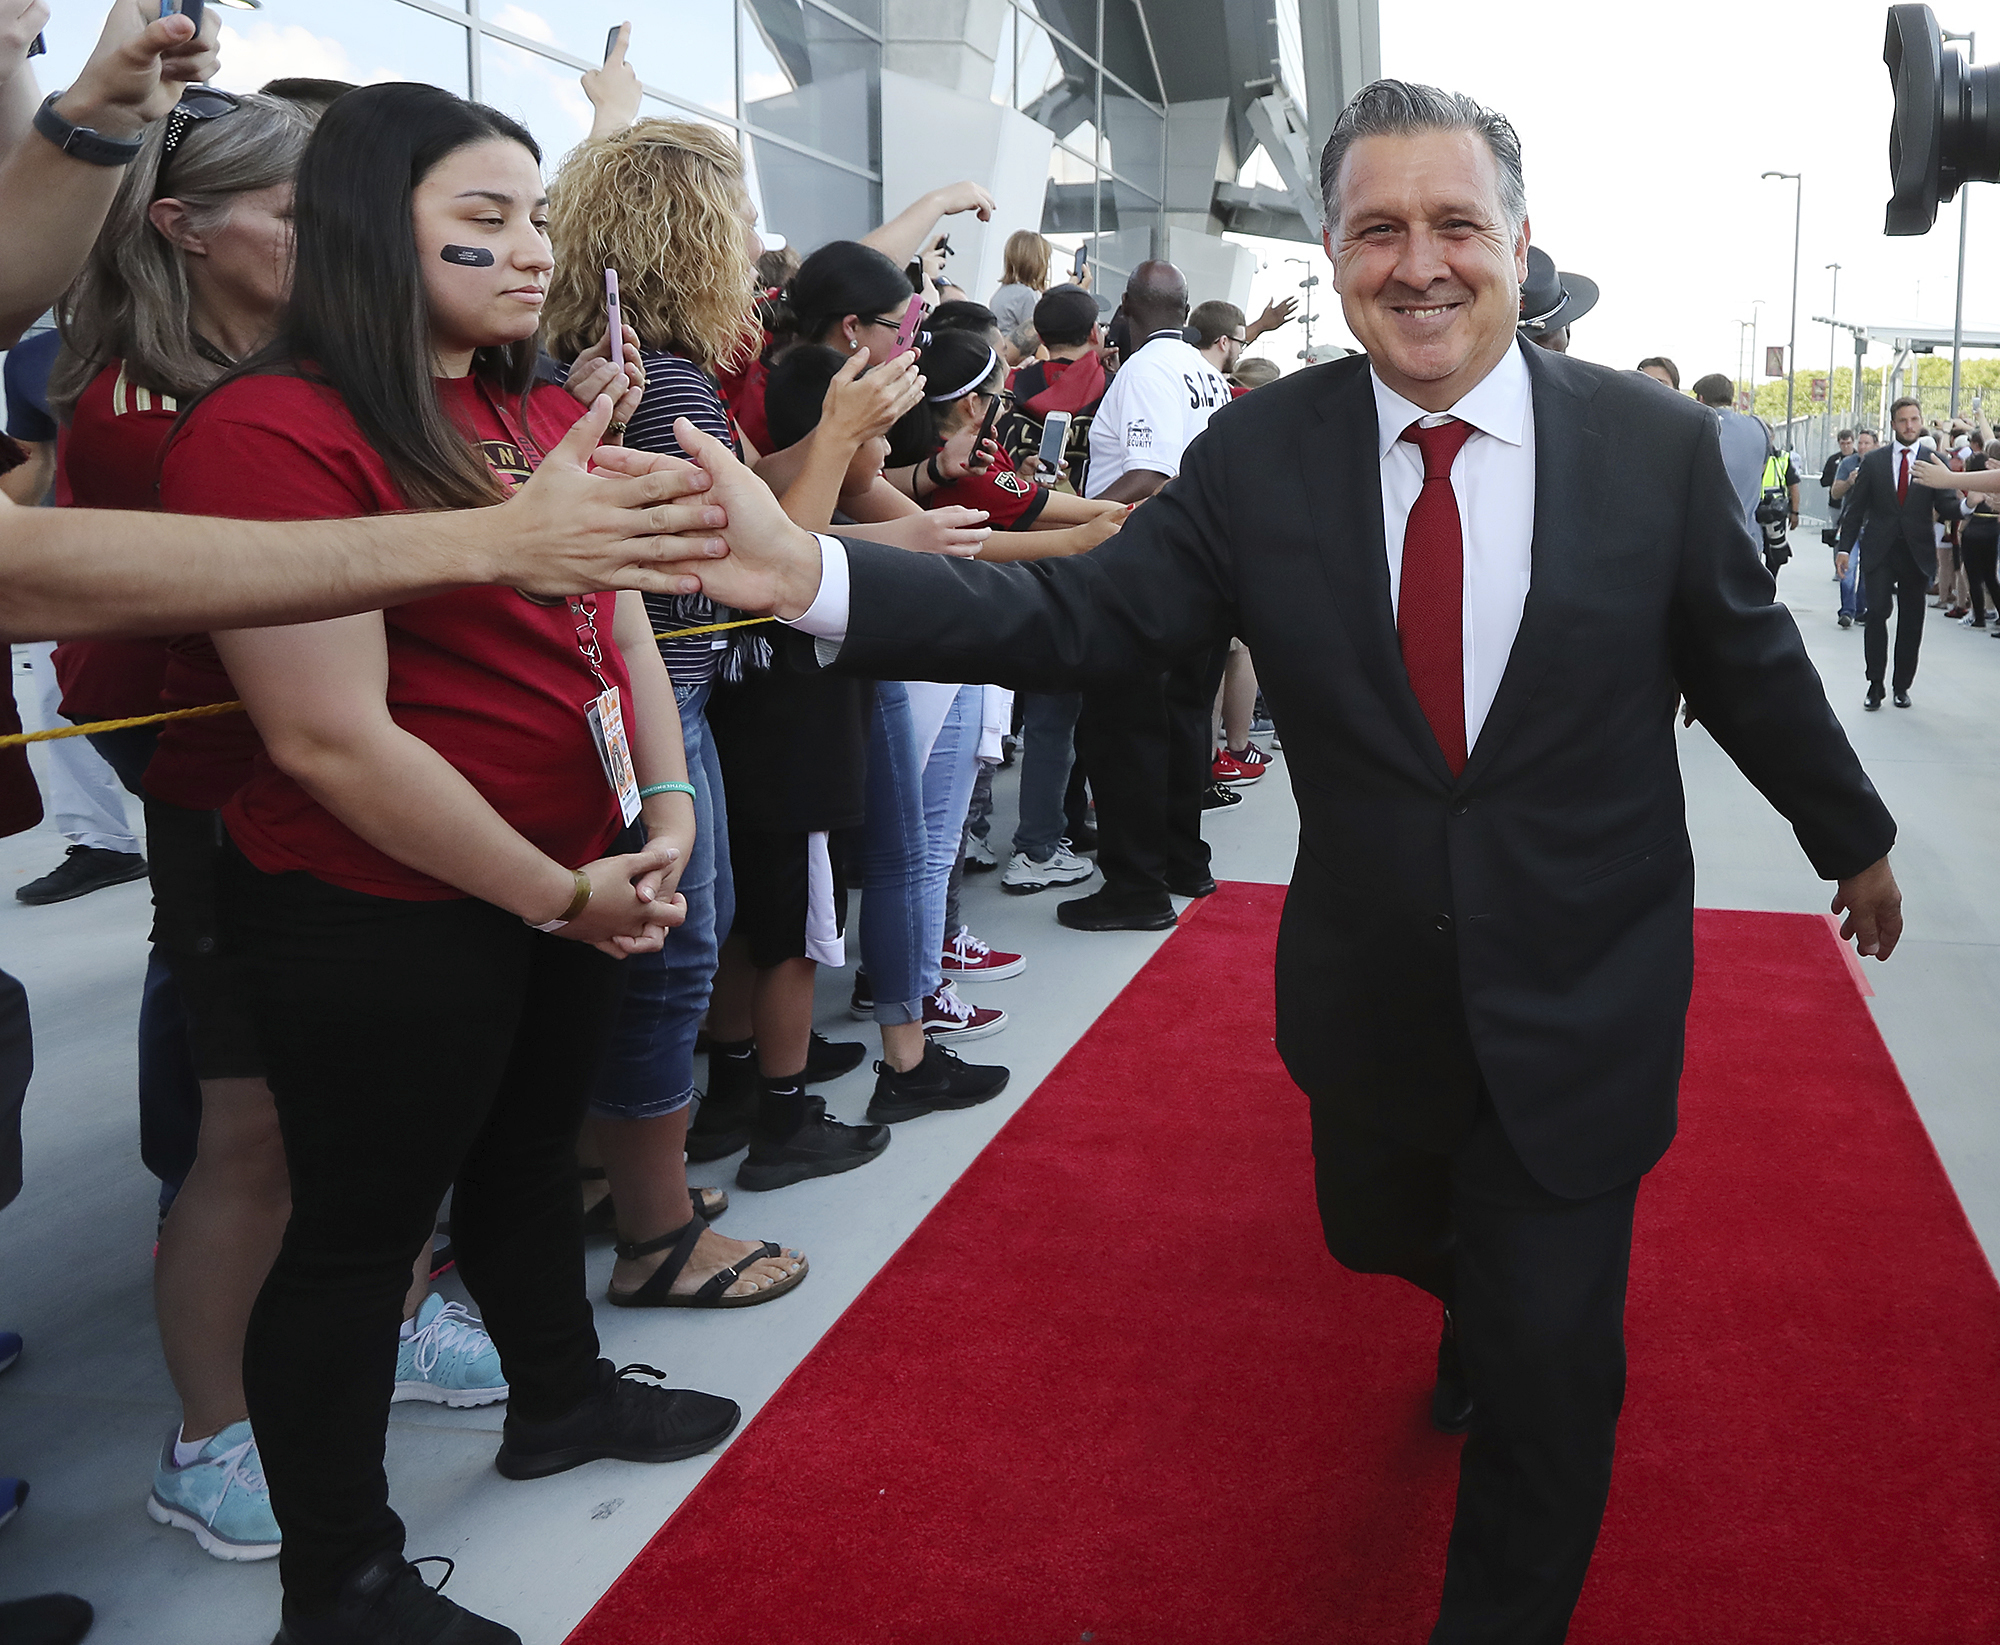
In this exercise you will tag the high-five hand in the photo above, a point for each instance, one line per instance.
(772, 567)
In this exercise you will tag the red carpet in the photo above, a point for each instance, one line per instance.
(1114, 1390)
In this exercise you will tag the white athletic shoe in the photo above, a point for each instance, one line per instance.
(1064, 867)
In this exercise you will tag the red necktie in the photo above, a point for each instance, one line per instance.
(1430, 610)
(1903, 478)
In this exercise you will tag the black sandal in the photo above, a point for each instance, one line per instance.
(657, 1292)
(602, 1218)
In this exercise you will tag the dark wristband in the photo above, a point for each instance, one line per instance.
(80, 142)
(931, 468)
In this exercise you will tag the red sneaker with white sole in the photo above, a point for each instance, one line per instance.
(1230, 771)
(967, 959)
(949, 1019)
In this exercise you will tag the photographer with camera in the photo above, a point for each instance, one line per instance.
(1777, 511)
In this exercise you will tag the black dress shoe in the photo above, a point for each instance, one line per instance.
(1451, 1400)
(1100, 911)
(1902, 699)
(1203, 887)
(1873, 700)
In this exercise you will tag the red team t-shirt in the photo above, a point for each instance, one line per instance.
(494, 681)
(108, 456)
(1013, 503)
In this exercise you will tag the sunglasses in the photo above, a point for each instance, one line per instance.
(197, 103)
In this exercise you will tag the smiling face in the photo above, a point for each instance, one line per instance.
(1428, 268)
(487, 196)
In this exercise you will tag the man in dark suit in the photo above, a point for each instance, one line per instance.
(1477, 577)
(1891, 516)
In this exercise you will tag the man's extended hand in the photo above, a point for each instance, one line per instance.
(772, 566)
(632, 524)
(1873, 905)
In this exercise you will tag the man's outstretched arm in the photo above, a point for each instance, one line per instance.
(1159, 590)
(77, 573)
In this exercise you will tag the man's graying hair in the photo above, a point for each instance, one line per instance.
(1396, 108)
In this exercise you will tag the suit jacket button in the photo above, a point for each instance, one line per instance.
(1442, 922)
(1459, 808)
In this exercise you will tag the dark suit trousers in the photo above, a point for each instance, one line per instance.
(1884, 574)
(1148, 745)
(1536, 1288)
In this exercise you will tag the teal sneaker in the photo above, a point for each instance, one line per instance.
(220, 1496)
(449, 1359)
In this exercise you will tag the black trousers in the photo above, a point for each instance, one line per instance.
(1885, 573)
(411, 1047)
(1536, 1288)
(1147, 744)
(1981, 554)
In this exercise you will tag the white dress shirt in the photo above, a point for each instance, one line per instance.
(1493, 478)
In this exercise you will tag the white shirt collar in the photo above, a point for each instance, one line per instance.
(1498, 404)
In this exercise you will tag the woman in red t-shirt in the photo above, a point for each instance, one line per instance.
(430, 900)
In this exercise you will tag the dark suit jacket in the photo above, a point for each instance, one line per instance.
(1870, 511)
(1527, 924)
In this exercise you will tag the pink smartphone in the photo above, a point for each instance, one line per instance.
(906, 333)
(615, 325)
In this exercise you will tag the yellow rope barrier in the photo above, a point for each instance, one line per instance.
(18, 738)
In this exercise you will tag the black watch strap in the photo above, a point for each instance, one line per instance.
(80, 142)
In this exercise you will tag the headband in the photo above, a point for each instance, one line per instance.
(992, 365)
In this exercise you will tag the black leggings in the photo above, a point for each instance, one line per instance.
(411, 1046)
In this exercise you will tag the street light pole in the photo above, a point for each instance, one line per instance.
(1832, 351)
(1792, 345)
(1958, 300)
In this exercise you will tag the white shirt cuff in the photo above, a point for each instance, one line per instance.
(826, 618)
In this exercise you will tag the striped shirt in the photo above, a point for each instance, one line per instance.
(677, 387)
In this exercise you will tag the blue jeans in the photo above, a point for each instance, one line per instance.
(1048, 735)
(915, 824)
(1853, 598)
(648, 1067)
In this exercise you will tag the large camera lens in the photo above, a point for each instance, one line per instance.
(1946, 129)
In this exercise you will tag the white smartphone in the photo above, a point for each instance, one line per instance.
(1055, 435)
(614, 329)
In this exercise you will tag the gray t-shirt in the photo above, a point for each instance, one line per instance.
(1014, 306)
(1745, 447)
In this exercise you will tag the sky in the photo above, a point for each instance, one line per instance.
(1644, 130)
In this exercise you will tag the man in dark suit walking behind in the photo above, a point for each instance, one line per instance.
(1891, 516)
(1477, 577)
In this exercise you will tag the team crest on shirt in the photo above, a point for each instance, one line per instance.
(506, 460)
(1007, 480)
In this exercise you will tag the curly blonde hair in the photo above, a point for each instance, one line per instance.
(660, 202)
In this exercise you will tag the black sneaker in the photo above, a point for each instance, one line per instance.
(46, 1619)
(387, 1602)
(631, 1421)
(827, 1059)
(861, 1003)
(724, 1116)
(941, 1080)
(1217, 798)
(797, 1141)
(84, 869)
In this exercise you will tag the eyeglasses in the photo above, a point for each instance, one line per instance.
(197, 103)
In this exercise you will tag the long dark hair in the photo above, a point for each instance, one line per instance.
(955, 364)
(359, 321)
(843, 277)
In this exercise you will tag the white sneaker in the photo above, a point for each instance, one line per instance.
(979, 856)
(1023, 874)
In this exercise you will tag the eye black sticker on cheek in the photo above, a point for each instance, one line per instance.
(468, 256)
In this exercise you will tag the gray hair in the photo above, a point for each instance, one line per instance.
(1396, 108)
(130, 303)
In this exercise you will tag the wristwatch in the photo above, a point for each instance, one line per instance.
(80, 142)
